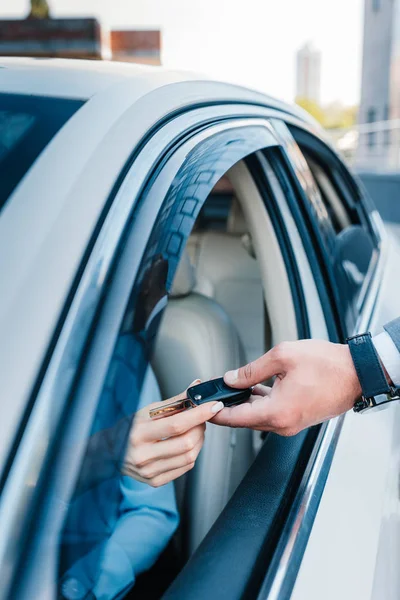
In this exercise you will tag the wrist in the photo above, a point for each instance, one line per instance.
(369, 368)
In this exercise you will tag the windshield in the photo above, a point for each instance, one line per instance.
(27, 124)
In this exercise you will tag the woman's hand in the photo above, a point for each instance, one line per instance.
(161, 450)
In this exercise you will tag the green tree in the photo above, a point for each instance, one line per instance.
(312, 108)
(331, 116)
(39, 10)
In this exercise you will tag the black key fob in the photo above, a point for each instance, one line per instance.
(214, 390)
(217, 390)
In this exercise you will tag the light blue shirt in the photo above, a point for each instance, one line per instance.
(147, 519)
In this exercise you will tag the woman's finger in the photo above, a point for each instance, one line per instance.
(178, 424)
(152, 470)
(169, 476)
(143, 414)
(143, 454)
(164, 474)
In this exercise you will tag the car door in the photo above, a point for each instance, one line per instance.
(141, 236)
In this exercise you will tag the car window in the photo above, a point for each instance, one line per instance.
(354, 255)
(330, 195)
(27, 124)
(347, 242)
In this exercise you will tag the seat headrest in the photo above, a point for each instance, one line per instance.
(236, 221)
(185, 277)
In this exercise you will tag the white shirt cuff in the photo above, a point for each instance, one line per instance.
(389, 356)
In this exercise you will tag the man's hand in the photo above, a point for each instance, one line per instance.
(315, 381)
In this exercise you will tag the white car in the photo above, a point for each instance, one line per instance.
(110, 177)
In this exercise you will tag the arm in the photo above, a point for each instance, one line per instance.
(315, 381)
(147, 520)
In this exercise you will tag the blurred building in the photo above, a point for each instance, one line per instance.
(380, 87)
(308, 73)
(136, 46)
(78, 38)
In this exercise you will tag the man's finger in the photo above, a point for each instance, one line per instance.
(259, 370)
(253, 414)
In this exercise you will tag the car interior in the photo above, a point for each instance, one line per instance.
(229, 303)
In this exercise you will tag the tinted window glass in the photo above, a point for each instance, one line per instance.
(329, 193)
(27, 124)
(116, 525)
(351, 250)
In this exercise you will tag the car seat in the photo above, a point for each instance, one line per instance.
(228, 272)
(197, 339)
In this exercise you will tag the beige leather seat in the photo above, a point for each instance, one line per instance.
(227, 272)
(197, 339)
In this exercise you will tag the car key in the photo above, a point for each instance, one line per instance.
(208, 391)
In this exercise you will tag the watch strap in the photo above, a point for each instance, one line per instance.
(368, 367)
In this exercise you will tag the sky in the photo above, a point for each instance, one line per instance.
(249, 42)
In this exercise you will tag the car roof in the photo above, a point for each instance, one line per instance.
(83, 79)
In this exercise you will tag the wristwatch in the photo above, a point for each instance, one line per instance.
(376, 390)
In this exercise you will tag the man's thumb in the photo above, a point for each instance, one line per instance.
(259, 370)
